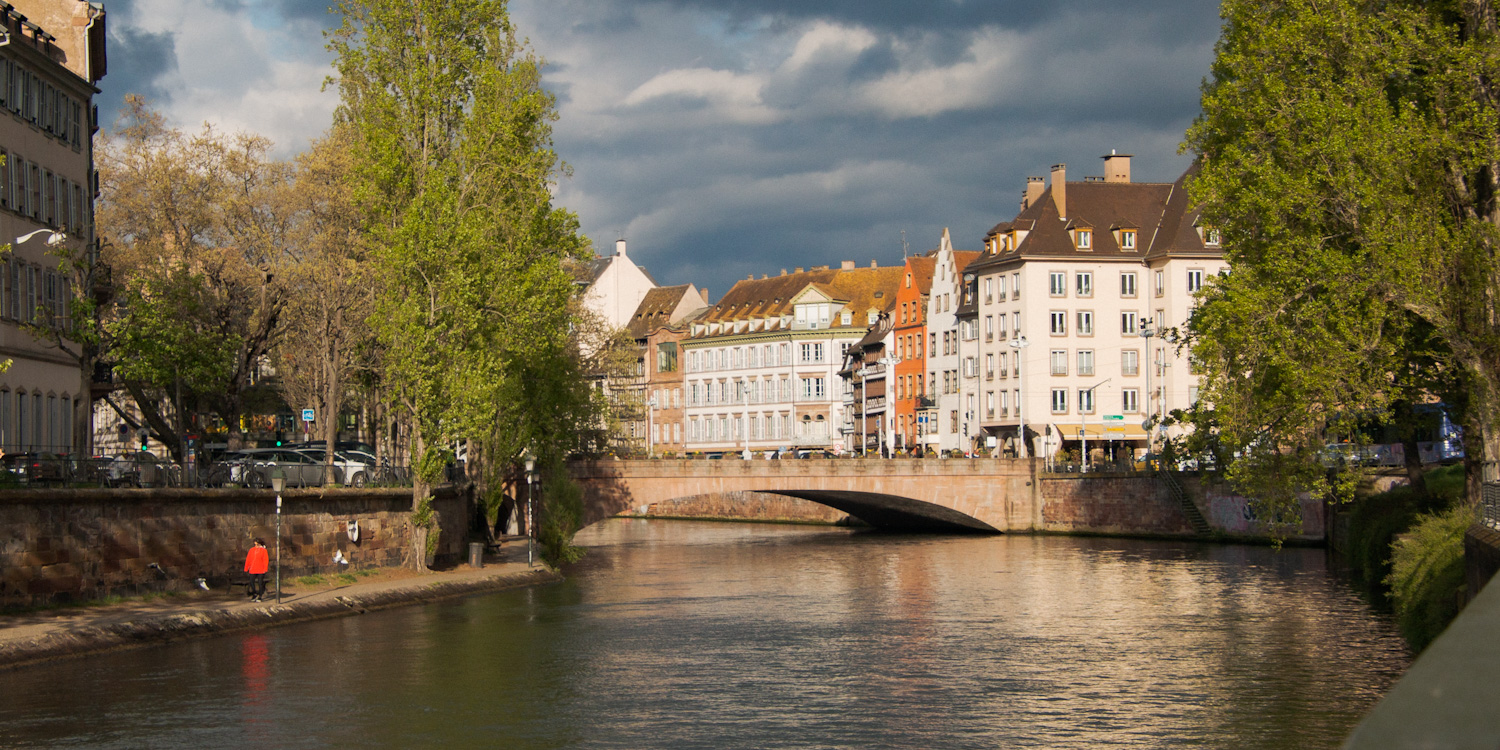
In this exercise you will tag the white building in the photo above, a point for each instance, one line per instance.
(950, 421)
(762, 365)
(1064, 291)
(615, 287)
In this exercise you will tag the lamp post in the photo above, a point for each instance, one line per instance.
(53, 240)
(883, 436)
(745, 421)
(864, 408)
(1147, 333)
(1083, 451)
(530, 535)
(650, 427)
(1020, 344)
(278, 483)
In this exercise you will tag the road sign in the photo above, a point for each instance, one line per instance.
(1114, 417)
(307, 415)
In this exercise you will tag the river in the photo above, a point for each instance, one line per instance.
(700, 635)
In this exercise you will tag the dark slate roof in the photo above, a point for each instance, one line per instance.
(1178, 233)
(655, 310)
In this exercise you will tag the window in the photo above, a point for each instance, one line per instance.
(1195, 280)
(1057, 284)
(1211, 237)
(1059, 361)
(1004, 369)
(1086, 362)
(1000, 282)
(1015, 286)
(812, 388)
(1161, 283)
(1059, 400)
(1004, 410)
(1085, 401)
(666, 357)
(989, 367)
(989, 328)
(1193, 395)
(989, 403)
(988, 297)
(1059, 323)
(1085, 239)
(1084, 283)
(1127, 284)
(812, 353)
(1127, 240)
(1128, 322)
(1130, 363)
(1130, 400)
(1085, 322)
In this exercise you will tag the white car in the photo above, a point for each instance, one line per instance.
(355, 471)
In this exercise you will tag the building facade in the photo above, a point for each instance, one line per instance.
(908, 385)
(944, 417)
(762, 365)
(50, 59)
(657, 327)
(1065, 292)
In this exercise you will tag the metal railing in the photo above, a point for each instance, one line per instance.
(1489, 505)
(28, 470)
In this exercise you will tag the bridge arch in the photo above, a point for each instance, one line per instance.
(963, 495)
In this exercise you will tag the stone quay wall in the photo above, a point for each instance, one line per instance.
(69, 545)
(1110, 505)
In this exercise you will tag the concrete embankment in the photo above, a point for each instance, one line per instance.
(41, 636)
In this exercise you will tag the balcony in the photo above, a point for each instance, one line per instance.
(926, 402)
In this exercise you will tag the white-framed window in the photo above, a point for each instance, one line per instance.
(1059, 361)
(1127, 240)
(1085, 322)
(1015, 286)
(1059, 400)
(812, 353)
(1161, 283)
(988, 296)
(1085, 239)
(1130, 400)
(1000, 283)
(1004, 408)
(1059, 320)
(989, 403)
(1057, 284)
(989, 328)
(1004, 368)
(1127, 284)
(812, 388)
(1085, 401)
(1085, 361)
(989, 367)
(1130, 362)
(1195, 279)
(1083, 283)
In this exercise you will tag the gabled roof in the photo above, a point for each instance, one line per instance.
(922, 268)
(656, 309)
(1178, 233)
(860, 289)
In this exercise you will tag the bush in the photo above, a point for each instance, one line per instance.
(1427, 574)
(562, 515)
(1377, 520)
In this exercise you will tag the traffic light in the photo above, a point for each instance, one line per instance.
(278, 438)
(144, 437)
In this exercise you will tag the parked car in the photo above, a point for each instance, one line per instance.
(36, 467)
(258, 465)
(138, 469)
(353, 469)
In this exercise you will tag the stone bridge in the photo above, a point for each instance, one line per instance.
(975, 495)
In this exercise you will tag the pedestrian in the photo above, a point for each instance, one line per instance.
(256, 564)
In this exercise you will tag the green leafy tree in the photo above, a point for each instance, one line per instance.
(451, 140)
(1350, 157)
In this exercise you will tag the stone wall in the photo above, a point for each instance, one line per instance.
(1481, 558)
(1111, 505)
(63, 545)
(749, 506)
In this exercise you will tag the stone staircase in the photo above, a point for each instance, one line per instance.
(1189, 508)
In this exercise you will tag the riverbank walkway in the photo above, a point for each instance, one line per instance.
(44, 635)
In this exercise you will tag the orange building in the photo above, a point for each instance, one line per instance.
(909, 342)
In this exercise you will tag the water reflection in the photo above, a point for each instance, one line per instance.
(676, 634)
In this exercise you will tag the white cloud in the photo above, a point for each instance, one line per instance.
(735, 97)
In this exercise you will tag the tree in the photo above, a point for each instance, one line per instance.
(197, 231)
(451, 140)
(1351, 159)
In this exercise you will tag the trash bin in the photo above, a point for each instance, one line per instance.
(476, 554)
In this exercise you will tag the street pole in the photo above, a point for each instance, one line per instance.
(864, 407)
(278, 483)
(745, 425)
(1019, 344)
(1147, 333)
(889, 363)
(1083, 454)
(650, 427)
(530, 516)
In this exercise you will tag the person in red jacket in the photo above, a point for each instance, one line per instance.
(256, 564)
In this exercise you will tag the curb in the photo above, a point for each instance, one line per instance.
(206, 623)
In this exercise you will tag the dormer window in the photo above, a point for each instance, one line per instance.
(1127, 240)
(1084, 239)
(846, 318)
(1212, 237)
(872, 317)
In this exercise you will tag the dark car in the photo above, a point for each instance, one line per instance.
(36, 467)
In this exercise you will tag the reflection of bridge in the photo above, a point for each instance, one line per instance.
(982, 495)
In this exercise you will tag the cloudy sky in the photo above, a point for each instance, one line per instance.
(723, 138)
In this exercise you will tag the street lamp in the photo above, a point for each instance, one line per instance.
(1147, 333)
(884, 436)
(278, 483)
(1083, 454)
(650, 426)
(1020, 344)
(53, 240)
(530, 535)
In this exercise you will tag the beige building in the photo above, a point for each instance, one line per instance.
(51, 54)
(1064, 292)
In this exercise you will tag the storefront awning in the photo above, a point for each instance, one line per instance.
(1107, 431)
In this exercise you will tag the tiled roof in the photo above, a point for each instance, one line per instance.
(922, 268)
(1178, 234)
(860, 289)
(655, 310)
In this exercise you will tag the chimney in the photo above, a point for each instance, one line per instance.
(873, 264)
(1060, 189)
(783, 272)
(847, 265)
(705, 295)
(620, 248)
(800, 269)
(1034, 189)
(1116, 167)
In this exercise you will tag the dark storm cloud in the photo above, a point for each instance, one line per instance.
(137, 62)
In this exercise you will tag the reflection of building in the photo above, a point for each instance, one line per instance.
(1078, 274)
(762, 365)
(52, 56)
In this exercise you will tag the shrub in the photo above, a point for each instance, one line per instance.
(1427, 574)
(562, 515)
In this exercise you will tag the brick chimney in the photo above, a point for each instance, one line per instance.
(1116, 167)
(1035, 186)
(1060, 189)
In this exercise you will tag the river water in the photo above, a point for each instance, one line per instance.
(700, 635)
